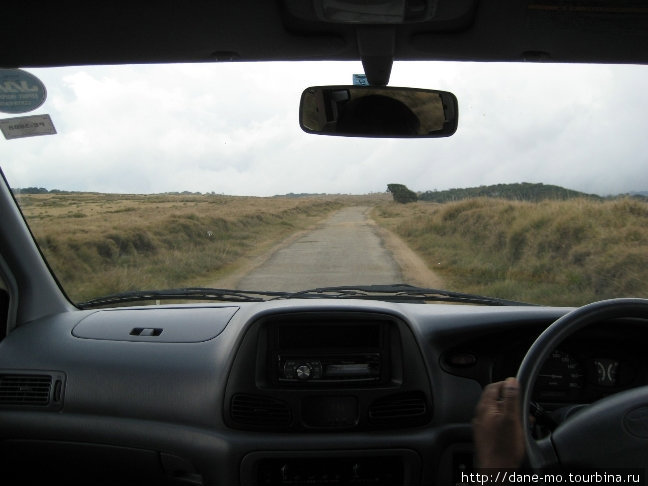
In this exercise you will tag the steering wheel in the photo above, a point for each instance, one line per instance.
(612, 432)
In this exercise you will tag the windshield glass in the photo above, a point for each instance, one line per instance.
(172, 176)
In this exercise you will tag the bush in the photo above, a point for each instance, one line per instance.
(402, 194)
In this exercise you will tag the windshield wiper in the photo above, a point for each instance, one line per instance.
(398, 293)
(392, 293)
(189, 293)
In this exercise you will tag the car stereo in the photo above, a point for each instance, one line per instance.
(352, 368)
(355, 352)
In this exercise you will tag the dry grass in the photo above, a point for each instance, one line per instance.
(104, 243)
(552, 252)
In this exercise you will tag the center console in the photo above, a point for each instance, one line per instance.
(329, 374)
(384, 468)
(327, 371)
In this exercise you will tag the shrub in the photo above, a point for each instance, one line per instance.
(402, 194)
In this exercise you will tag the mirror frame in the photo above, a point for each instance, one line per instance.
(448, 100)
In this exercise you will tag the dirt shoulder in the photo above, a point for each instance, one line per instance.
(413, 268)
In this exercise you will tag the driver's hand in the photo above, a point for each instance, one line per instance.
(497, 426)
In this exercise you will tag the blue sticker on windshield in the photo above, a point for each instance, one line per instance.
(360, 80)
(20, 91)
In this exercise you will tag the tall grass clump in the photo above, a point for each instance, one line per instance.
(551, 252)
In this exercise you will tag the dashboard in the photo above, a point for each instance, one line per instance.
(283, 392)
(592, 364)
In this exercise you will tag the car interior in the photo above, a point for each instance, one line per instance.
(316, 390)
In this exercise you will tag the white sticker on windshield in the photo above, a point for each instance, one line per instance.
(27, 126)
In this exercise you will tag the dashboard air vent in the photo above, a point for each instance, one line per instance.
(260, 411)
(403, 409)
(26, 390)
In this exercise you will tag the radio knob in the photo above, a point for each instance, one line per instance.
(304, 371)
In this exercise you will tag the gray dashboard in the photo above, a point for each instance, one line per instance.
(150, 394)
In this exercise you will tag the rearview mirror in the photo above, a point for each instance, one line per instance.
(368, 111)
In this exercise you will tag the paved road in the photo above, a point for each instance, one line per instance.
(344, 250)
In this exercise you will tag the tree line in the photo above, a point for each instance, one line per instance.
(524, 191)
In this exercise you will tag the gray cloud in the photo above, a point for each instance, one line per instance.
(233, 129)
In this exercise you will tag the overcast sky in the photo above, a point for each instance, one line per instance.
(233, 129)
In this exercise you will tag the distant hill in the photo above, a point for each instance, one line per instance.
(301, 194)
(37, 190)
(639, 194)
(524, 191)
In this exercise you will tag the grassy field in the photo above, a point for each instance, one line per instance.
(552, 252)
(104, 243)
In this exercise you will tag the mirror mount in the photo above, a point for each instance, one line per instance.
(376, 48)
(377, 69)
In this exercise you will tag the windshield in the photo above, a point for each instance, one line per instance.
(174, 176)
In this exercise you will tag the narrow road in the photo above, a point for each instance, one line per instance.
(345, 250)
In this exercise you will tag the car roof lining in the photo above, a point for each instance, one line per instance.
(121, 32)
